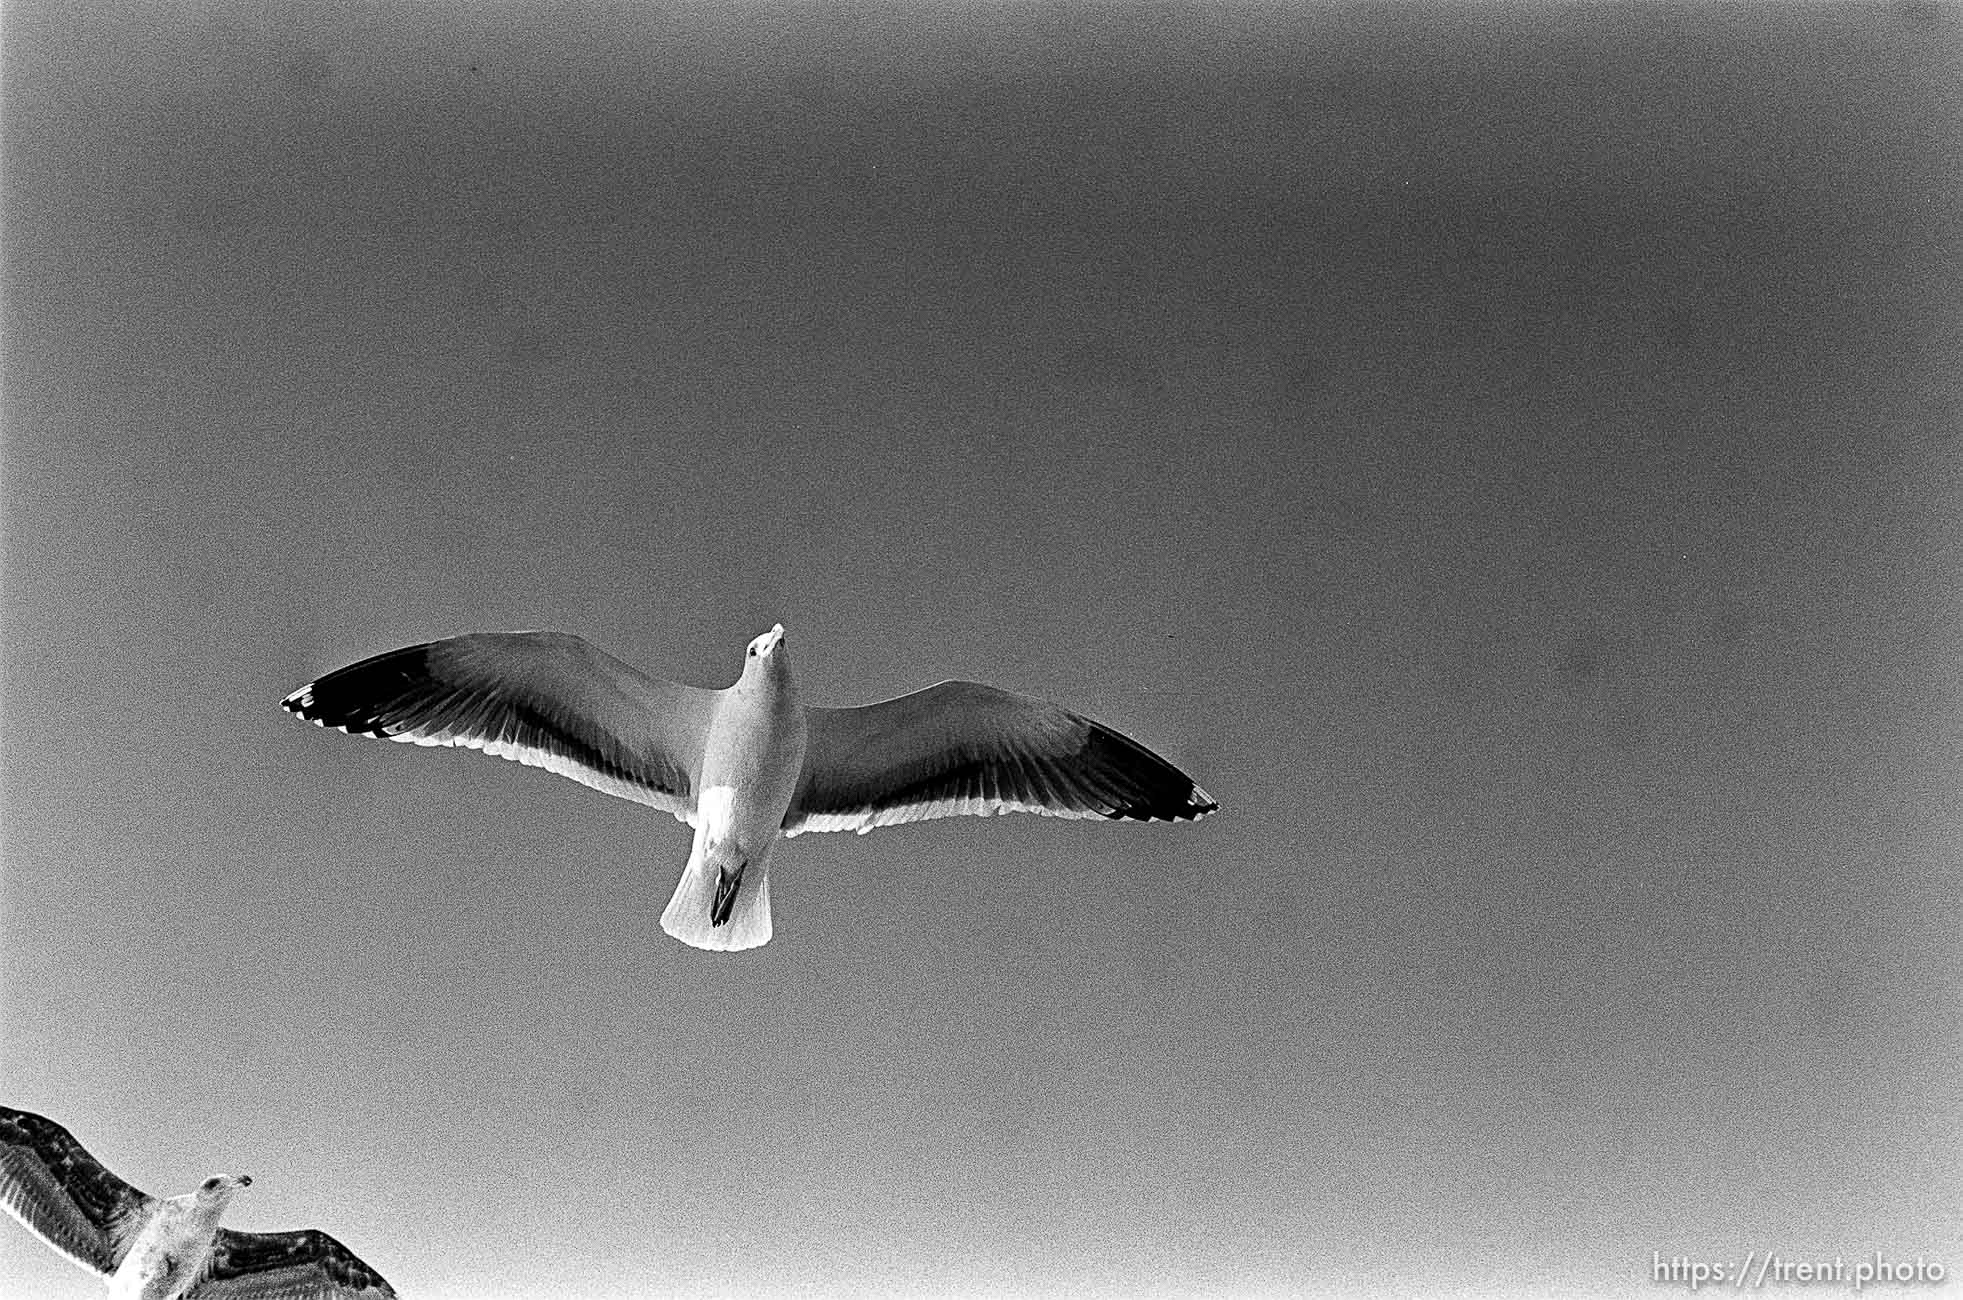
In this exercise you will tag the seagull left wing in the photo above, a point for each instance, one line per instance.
(63, 1194)
(304, 1265)
(544, 699)
(965, 748)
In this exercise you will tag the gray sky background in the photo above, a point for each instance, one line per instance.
(1509, 455)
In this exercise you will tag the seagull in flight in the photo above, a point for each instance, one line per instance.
(751, 762)
(163, 1249)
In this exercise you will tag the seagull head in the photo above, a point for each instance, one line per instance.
(221, 1188)
(765, 645)
(767, 663)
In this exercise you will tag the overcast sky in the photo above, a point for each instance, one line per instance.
(1510, 455)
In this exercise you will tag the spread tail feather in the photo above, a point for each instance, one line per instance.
(723, 900)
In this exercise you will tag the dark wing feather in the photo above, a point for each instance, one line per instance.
(965, 748)
(545, 699)
(303, 1265)
(62, 1193)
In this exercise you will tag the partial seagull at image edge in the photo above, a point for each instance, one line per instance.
(750, 763)
(170, 1248)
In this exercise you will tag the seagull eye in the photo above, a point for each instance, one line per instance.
(211, 1184)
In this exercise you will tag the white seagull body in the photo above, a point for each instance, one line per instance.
(750, 763)
(170, 1248)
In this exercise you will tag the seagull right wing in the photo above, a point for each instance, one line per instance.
(545, 699)
(304, 1265)
(63, 1194)
(962, 748)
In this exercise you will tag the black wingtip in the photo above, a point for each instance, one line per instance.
(362, 698)
(1146, 788)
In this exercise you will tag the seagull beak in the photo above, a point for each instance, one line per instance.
(245, 1180)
